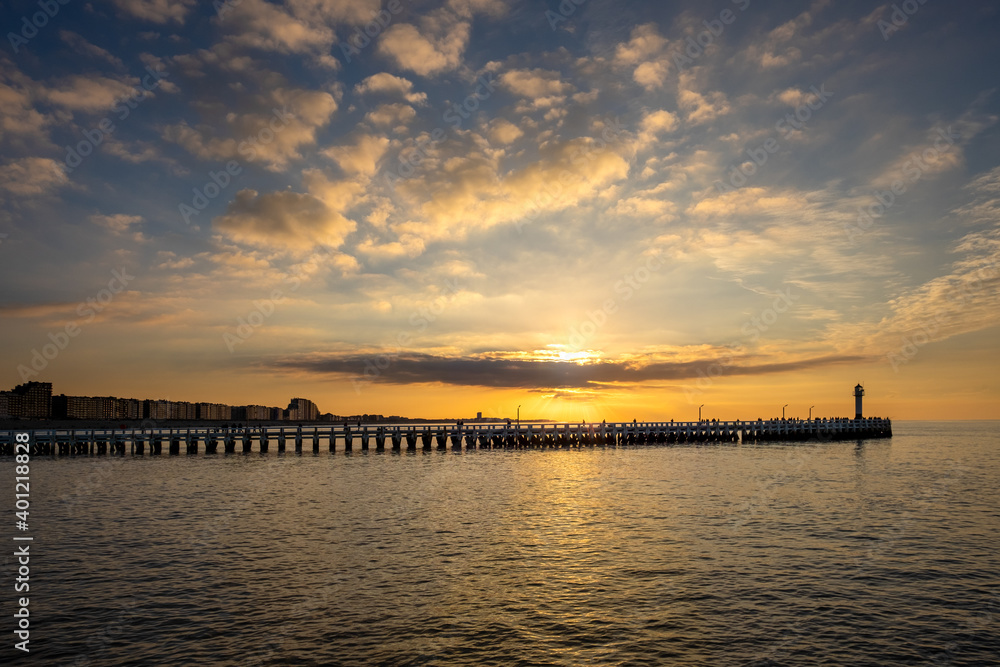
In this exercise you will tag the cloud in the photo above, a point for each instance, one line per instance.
(536, 83)
(81, 45)
(20, 122)
(270, 27)
(651, 75)
(700, 108)
(156, 11)
(353, 12)
(137, 152)
(462, 189)
(967, 297)
(645, 53)
(658, 121)
(391, 114)
(32, 176)
(645, 207)
(289, 220)
(503, 131)
(390, 84)
(118, 223)
(643, 43)
(424, 54)
(510, 371)
(288, 121)
(362, 157)
(439, 42)
(86, 93)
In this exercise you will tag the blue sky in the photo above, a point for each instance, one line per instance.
(593, 209)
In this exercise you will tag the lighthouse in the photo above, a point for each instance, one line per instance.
(859, 391)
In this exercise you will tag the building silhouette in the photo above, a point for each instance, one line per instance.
(31, 400)
(34, 400)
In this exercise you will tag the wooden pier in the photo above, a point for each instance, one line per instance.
(426, 437)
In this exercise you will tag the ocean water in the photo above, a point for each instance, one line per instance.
(880, 552)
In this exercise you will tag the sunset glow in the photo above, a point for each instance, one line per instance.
(434, 209)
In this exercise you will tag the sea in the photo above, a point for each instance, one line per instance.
(873, 552)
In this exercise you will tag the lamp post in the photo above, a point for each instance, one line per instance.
(811, 411)
(699, 411)
(519, 416)
(783, 410)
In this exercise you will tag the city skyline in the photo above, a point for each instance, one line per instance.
(579, 210)
(36, 400)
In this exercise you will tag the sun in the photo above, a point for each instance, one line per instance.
(559, 352)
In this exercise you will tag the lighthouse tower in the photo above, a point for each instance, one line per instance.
(859, 391)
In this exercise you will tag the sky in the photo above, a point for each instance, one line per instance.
(580, 210)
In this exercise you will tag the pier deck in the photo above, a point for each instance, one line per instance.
(411, 437)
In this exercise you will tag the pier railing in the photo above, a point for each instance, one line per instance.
(457, 436)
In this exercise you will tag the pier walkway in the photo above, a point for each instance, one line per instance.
(426, 437)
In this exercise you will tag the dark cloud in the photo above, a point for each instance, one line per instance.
(526, 374)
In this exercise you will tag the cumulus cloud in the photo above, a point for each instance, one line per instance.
(502, 131)
(645, 53)
(536, 83)
(424, 54)
(700, 107)
(387, 115)
(270, 27)
(20, 122)
(32, 176)
(335, 11)
(438, 43)
(782, 45)
(290, 220)
(651, 75)
(86, 93)
(118, 223)
(288, 121)
(658, 121)
(390, 84)
(361, 157)
(82, 46)
(156, 11)
(463, 191)
(644, 42)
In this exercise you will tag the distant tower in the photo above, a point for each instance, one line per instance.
(859, 391)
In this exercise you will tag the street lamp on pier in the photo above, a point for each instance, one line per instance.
(783, 410)
(519, 416)
(699, 411)
(811, 411)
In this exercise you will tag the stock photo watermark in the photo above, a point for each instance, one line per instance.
(88, 311)
(911, 343)
(455, 115)
(626, 288)
(263, 309)
(794, 120)
(123, 107)
(419, 321)
(695, 46)
(899, 17)
(566, 9)
(38, 20)
(553, 189)
(364, 35)
(752, 330)
(911, 171)
(248, 147)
